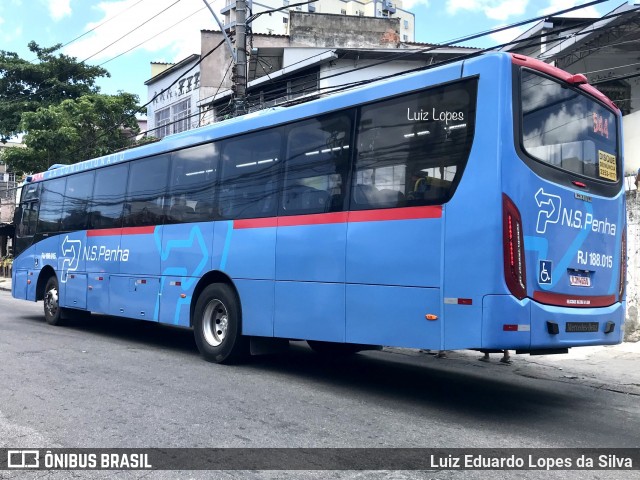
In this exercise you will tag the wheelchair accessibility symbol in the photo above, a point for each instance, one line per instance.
(544, 274)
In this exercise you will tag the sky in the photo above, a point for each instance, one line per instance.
(125, 36)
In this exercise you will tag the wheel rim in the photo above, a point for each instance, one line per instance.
(215, 323)
(51, 302)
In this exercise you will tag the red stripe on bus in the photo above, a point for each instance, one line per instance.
(563, 300)
(107, 232)
(255, 223)
(409, 213)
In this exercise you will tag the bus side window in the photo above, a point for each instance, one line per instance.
(51, 205)
(146, 190)
(192, 184)
(412, 149)
(316, 165)
(250, 165)
(76, 198)
(105, 208)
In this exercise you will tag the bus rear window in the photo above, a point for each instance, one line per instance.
(563, 127)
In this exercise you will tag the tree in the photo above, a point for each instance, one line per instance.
(26, 86)
(74, 130)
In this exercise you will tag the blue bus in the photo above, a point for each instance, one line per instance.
(475, 205)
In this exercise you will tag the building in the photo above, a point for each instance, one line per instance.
(272, 22)
(174, 91)
(8, 189)
(321, 54)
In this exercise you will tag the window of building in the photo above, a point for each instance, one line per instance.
(406, 24)
(285, 20)
(162, 120)
(181, 113)
(405, 38)
(343, 11)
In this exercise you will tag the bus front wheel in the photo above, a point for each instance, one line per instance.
(52, 310)
(216, 326)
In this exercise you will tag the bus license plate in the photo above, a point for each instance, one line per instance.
(580, 280)
(581, 327)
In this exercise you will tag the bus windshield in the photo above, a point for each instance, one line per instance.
(565, 128)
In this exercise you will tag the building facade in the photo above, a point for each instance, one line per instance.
(173, 93)
(279, 22)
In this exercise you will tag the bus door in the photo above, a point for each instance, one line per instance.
(26, 220)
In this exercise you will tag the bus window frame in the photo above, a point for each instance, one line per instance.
(550, 172)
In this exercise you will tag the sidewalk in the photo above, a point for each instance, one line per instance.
(611, 367)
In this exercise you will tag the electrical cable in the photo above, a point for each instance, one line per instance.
(130, 32)
(151, 38)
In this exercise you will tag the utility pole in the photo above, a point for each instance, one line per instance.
(240, 68)
(239, 55)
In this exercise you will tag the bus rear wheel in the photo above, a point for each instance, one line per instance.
(216, 326)
(52, 310)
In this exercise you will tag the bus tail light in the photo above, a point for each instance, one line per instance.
(623, 265)
(513, 241)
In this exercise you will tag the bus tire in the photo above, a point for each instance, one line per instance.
(51, 300)
(217, 325)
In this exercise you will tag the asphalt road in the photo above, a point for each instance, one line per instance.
(107, 382)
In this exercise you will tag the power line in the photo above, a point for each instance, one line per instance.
(101, 24)
(151, 38)
(131, 31)
(461, 40)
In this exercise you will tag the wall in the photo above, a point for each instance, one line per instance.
(632, 325)
(343, 31)
(631, 132)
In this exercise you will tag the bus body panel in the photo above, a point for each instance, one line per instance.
(396, 252)
(135, 297)
(94, 250)
(244, 252)
(73, 293)
(500, 310)
(19, 284)
(562, 316)
(393, 315)
(311, 253)
(98, 287)
(567, 233)
(473, 215)
(186, 253)
(310, 311)
(257, 301)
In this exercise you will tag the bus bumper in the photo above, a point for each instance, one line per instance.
(509, 323)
